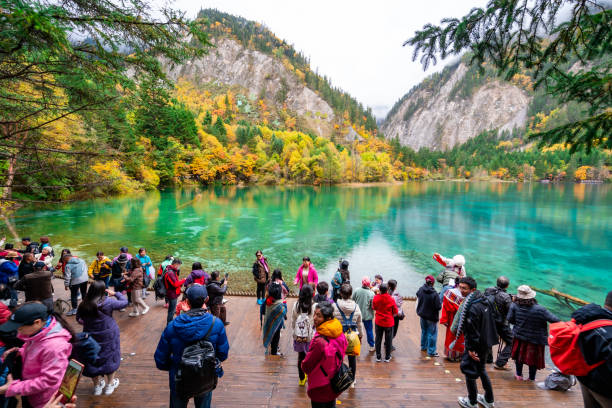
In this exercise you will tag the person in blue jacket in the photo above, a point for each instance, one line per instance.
(9, 273)
(184, 330)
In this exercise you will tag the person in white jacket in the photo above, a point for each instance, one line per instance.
(454, 269)
(45, 257)
(75, 279)
(352, 315)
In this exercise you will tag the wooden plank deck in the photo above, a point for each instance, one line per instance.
(252, 379)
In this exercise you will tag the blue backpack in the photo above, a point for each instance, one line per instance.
(85, 349)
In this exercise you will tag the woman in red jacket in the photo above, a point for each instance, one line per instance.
(385, 308)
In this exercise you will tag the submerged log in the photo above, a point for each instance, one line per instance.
(563, 298)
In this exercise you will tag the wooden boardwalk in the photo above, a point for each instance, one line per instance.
(252, 379)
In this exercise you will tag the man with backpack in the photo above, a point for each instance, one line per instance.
(477, 323)
(501, 300)
(191, 349)
(596, 348)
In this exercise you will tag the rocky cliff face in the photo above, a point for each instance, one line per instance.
(260, 75)
(434, 117)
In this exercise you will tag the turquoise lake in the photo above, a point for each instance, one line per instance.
(548, 236)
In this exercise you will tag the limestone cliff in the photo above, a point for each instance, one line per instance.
(260, 75)
(436, 115)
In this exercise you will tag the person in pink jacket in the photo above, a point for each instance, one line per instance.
(44, 353)
(324, 357)
(306, 273)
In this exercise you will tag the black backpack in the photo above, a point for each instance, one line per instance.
(159, 287)
(491, 297)
(343, 378)
(197, 372)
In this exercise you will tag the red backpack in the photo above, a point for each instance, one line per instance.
(564, 349)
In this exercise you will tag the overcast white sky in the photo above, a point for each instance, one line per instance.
(357, 44)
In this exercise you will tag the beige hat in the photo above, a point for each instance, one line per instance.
(11, 254)
(525, 292)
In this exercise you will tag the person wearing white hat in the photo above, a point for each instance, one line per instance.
(454, 269)
(530, 332)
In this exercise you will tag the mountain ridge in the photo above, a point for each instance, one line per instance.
(439, 113)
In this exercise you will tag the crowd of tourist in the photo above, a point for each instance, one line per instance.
(37, 343)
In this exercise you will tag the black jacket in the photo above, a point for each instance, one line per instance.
(596, 345)
(25, 268)
(479, 326)
(503, 300)
(216, 290)
(117, 269)
(530, 323)
(429, 303)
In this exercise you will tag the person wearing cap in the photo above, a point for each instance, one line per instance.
(37, 286)
(95, 313)
(125, 251)
(454, 268)
(530, 332)
(363, 297)
(186, 329)
(9, 273)
(428, 310)
(120, 266)
(45, 352)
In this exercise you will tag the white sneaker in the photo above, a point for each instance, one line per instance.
(465, 403)
(372, 349)
(353, 384)
(71, 313)
(111, 387)
(134, 314)
(99, 387)
(482, 401)
(145, 310)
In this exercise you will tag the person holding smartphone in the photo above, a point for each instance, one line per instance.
(47, 346)
(216, 289)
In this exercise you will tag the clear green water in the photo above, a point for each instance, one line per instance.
(545, 235)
